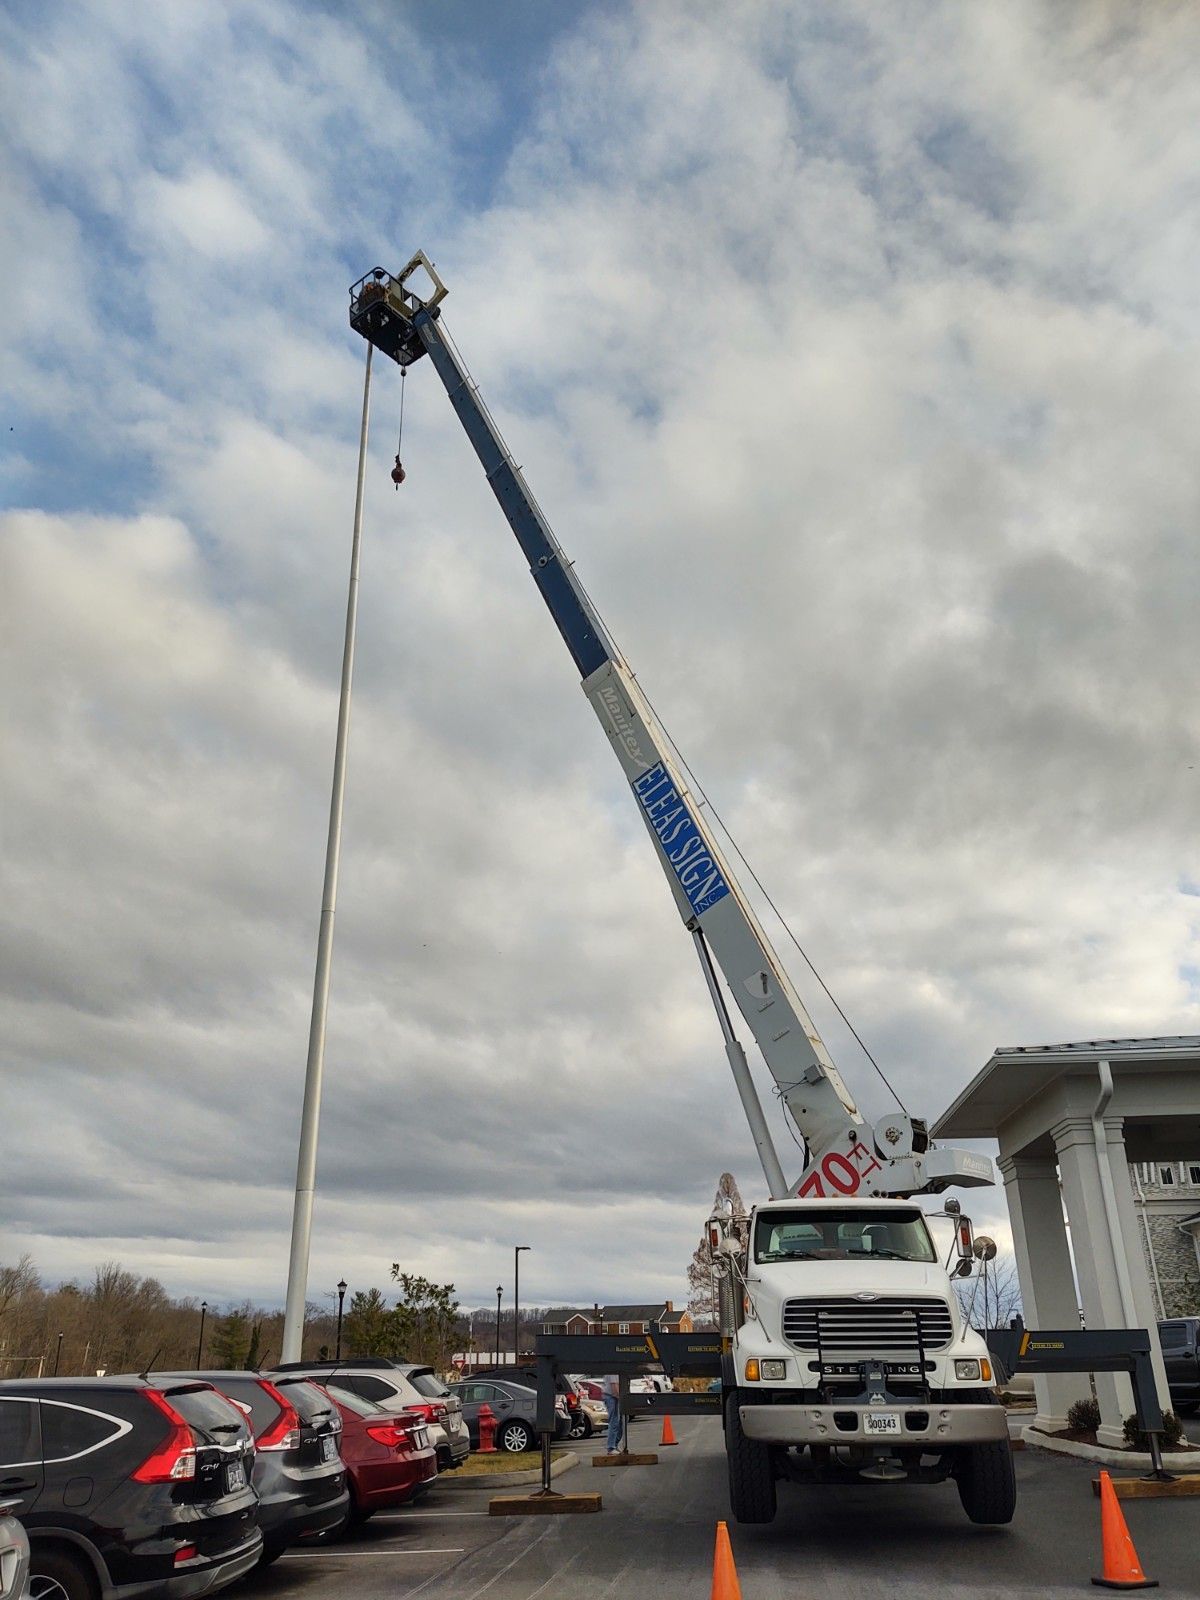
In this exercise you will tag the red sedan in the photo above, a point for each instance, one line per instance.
(388, 1455)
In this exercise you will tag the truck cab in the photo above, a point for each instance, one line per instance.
(849, 1358)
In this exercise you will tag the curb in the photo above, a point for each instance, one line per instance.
(508, 1480)
(1137, 1460)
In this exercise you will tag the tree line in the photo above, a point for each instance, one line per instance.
(120, 1322)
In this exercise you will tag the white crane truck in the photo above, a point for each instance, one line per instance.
(844, 1353)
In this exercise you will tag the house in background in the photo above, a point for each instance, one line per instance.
(659, 1316)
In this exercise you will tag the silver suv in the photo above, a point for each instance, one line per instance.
(14, 1555)
(399, 1386)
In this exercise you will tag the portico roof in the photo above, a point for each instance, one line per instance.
(1016, 1073)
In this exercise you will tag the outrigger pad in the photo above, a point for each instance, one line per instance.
(626, 1458)
(542, 1505)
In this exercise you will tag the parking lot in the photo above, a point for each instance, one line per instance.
(655, 1536)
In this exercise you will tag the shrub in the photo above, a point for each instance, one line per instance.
(1084, 1416)
(1171, 1435)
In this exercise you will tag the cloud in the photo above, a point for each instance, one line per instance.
(848, 349)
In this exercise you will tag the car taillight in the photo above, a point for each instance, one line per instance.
(284, 1432)
(432, 1411)
(572, 1402)
(391, 1434)
(174, 1461)
(186, 1552)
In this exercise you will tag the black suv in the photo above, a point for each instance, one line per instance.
(298, 1473)
(128, 1487)
(1180, 1340)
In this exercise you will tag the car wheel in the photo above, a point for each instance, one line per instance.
(54, 1575)
(581, 1425)
(514, 1437)
(269, 1557)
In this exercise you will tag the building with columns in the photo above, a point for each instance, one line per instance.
(1167, 1197)
(1070, 1119)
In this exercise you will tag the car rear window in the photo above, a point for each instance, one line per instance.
(1172, 1333)
(356, 1403)
(428, 1384)
(209, 1414)
(308, 1400)
(71, 1430)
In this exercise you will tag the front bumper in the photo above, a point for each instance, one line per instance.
(931, 1426)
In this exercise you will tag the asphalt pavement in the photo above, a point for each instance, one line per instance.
(654, 1540)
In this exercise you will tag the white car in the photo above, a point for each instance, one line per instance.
(14, 1556)
(399, 1386)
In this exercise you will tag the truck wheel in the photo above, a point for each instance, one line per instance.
(751, 1476)
(987, 1484)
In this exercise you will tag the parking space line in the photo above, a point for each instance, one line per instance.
(392, 1550)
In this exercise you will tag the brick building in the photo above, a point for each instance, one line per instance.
(659, 1316)
(1166, 1197)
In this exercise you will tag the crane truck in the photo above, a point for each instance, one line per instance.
(845, 1355)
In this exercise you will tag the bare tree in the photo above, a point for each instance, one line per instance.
(702, 1299)
(991, 1297)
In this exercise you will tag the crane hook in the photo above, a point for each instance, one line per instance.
(398, 473)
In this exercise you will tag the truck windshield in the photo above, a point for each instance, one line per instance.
(845, 1234)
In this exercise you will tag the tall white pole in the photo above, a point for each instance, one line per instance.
(306, 1166)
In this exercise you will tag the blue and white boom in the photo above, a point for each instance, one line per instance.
(846, 1155)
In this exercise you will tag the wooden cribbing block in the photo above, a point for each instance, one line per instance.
(626, 1458)
(1187, 1483)
(542, 1505)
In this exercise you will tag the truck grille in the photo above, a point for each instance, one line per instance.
(875, 1327)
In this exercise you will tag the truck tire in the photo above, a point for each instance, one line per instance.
(751, 1475)
(987, 1484)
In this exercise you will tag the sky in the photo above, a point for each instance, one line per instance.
(850, 348)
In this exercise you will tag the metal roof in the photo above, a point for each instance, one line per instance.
(1015, 1073)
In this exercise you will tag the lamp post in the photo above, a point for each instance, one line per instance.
(342, 1286)
(499, 1292)
(57, 1354)
(517, 1299)
(200, 1341)
(310, 1115)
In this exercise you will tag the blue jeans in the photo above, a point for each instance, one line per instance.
(613, 1406)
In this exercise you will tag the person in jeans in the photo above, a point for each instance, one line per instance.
(610, 1387)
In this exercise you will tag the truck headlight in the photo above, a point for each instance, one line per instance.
(966, 1370)
(774, 1369)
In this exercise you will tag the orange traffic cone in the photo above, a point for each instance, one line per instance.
(725, 1585)
(668, 1433)
(1122, 1569)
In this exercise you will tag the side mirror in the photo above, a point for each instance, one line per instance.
(964, 1241)
(984, 1248)
(964, 1268)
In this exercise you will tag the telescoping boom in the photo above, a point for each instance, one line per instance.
(846, 1155)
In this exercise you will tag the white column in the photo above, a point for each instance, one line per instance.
(1143, 1295)
(1044, 1268)
(1094, 1251)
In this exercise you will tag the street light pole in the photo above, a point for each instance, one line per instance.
(200, 1341)
(57, 1354)
(517, 1299)
(342, 1286)
(306, 1164)
(499, 1292)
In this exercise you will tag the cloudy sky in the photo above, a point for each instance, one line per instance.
(852, 351)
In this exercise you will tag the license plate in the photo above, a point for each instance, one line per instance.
(329, 1448)
(881, 1422)
(235, 1476)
